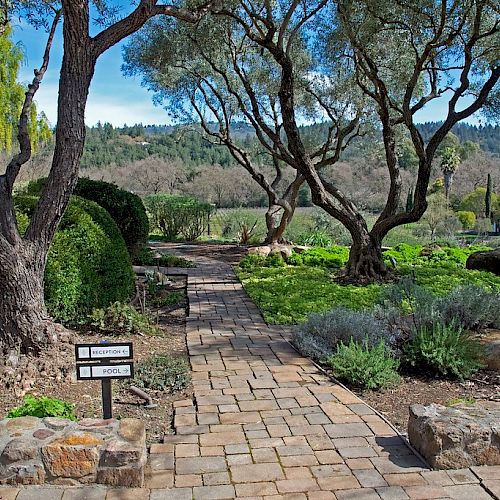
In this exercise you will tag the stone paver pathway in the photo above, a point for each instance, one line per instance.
(265, 423)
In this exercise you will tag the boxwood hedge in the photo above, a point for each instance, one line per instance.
(88, 264)
(126, 208)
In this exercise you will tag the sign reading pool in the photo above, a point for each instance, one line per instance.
(99, 362)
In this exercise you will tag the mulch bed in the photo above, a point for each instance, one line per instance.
(393, 403)
(87, 395)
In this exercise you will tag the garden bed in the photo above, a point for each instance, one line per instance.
(87, 395)
(394, 403)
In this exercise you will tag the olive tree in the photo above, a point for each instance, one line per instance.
(400, 55)
(216, 75)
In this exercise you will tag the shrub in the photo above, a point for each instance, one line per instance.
(315, 239)
(319, 336)
(174, 215)
(467, 219)
(241, 225)
(333, 257)
(125, 208)
(475, 201)
(162, 373)
(250, 261)
(472, 306)
(121, 318)
(88, 264)
(43, 407)
(361, 365)
(170, 299)
(444, 350)
(433, 255)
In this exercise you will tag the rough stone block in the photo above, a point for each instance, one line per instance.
(120, 453)
(27, 473)
(20, 449)
(129, 476)
(75, 455)
(132, 430)
(456, 437)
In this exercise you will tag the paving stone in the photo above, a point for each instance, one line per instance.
(467, 492)
(393, 493)
(85, 493)
(405, 479)
(40, 493)
(172, 494)
(216, 478)
(297, 485)
(187, 450)
(359, 463)
(256, 473)
(212, 451)
(161, 461)
(328, 457)
(239, 459)
(462, 476)
(188, 480)
(256, 489)
(297, 472)
(8, 493)
(161, 448)
(364, 494)
(401, 464)
(200, 465)
(493, 486)
(160, 479)
(487, 472)
(338, 483)
(213, 492)
(357, 452)
(129, 494)
(222, 438)
(348, 430)
(425, 492)
(299, 460)
(370, 478)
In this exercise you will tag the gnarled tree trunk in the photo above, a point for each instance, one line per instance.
(366, 262)
(24, 322)
(25, 325)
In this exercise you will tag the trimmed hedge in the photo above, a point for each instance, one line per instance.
(88, 264)
(126, 209)
(176, 215)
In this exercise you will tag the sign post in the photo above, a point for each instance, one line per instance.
(97, 362)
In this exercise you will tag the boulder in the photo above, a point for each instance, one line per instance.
(263, 251)
(283, 250)
(485, 261)
(456, 437)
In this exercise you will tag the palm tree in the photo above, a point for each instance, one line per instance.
(450, 160)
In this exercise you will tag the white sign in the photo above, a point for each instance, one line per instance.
(105, 371)
(103, 351)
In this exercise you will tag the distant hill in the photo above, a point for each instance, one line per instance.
(487, 136)
(107, 145)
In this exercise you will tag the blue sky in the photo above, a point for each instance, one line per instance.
(113, 97)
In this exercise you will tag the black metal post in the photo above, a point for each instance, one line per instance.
(107, 406)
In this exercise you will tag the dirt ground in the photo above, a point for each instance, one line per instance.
(87, 394)
(394, 403)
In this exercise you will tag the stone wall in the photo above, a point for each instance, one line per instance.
(59, 451)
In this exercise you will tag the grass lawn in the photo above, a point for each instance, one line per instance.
(286, 295)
